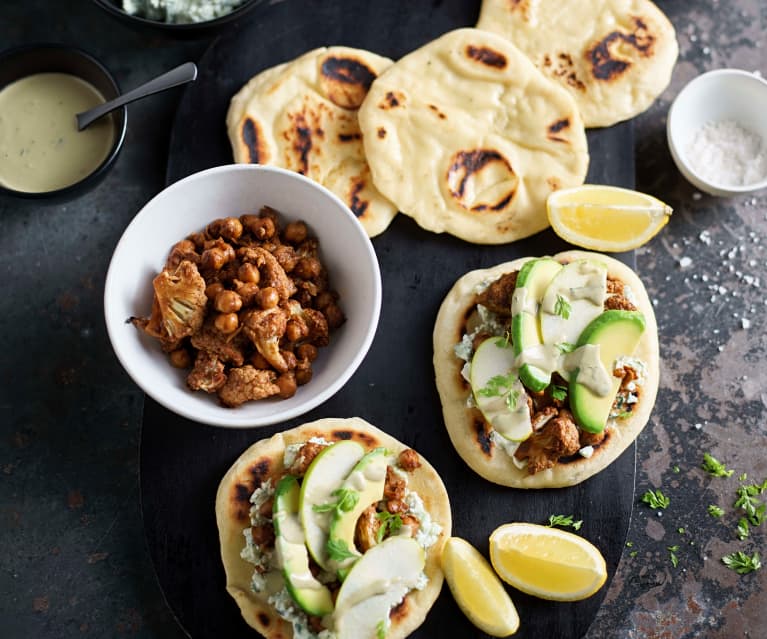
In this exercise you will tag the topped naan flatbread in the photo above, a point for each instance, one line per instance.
(614, 56)
(302, 115)
(467, 137)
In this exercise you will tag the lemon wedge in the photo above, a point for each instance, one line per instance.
(547, 562)
(606, 218)
(477, 590)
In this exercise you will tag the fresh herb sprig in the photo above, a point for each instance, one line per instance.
(565, 521)
(347, 499)
(741, 563)
(715, 511)
(391, 523)
(656, 499)
(338, 550)
(755, 510)
(672, 550)
(714, 467)
(558, 392)
(562, 307)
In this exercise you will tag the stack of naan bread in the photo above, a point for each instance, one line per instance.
(470, 133)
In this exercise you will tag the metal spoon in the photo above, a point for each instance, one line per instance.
(180, 75)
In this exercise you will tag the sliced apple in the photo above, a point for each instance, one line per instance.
(497, 390)
(532, 281)
(617, 334)
(325, 474)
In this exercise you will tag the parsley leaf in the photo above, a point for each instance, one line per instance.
(715, 511)
(741, 563)
(565, 347)
(505, 341)
(564, 521)
(511, 399)
(672, 555)
(743, 529)
(562, 307)
(714, 467)
(558, 392)
(676, 469)
(656, 499)
(496, 383)
(390, 522)
(381, 629)
(338, 550)
(347, 499)
(755, 510)
(624, 414)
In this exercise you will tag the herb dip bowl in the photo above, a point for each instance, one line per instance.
(188, 206)
(41, 63)
(713, 130)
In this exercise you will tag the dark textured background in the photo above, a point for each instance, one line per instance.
(75, 562)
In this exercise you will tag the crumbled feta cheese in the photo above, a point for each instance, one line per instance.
(257, 582)
(291, 450)
(637, 365)
(255, 554)
(466, 371)
(260, 496)
(287, 609)
(421, 582)
(586, 451)
(428, 531)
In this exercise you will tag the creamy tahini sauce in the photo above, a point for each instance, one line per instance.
(40, 147)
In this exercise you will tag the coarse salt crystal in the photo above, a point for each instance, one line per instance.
(724, 152)
(684, 262)
(745, 323)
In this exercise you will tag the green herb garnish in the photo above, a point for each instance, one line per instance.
(715, 511)
(381, 629)
(656, 499)
(338, 550)
(497, 385)
(741, 563)
(675, 469)
(714, 467)
(680, 530)
(743, 529)
(347, 499)
(565, 521)
(511, 399)
(755, 510)
(565, 347)
(562, 307)
(558, 392)
(624, 414)
(633, 553)
(505, 341)
(672, 555)
(390, 522)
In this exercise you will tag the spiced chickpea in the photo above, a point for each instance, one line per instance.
(268, 297)
(213, 289)
(295, 331)
(248, 292)
(262, 228)
(295, 232)
(249, 273)
(308, 268)
(259, 361)
(228, 302)
(198, 239)
(334, 315)
(226, 322)
(213, 258)
(290, 359)
(287, 384)
(303, 374)
(324, 299)
(230, 228)
(180, 358)
(307, 351)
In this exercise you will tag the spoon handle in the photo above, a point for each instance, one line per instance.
(180, 75)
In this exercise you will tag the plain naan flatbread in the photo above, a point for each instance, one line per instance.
(468, 430)
(466, 136)
(302, 115)
(614, 56)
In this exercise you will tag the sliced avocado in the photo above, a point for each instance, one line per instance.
(325, 474)
(497, 390)
(366, 482)
(617, 334)
(292, 556)
(532, 281)
(378, 581)
(573, 298)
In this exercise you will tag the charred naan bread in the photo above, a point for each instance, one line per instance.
(466, 136)
(614, 56)
(474, 440)
(302, 115)
(263, 464)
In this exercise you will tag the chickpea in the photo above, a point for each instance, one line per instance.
(248, 293)
(213, 258)
(268, 297)
(307, 351)
(303, 375)
(198, 239)
(290, 359)
(230, 228)
(259, 361)
(226, 322)
(287, 384)
(295, 232)
(262, 228)
(213, 289)
(295, 331)
(308, 268)
(228, 302)
(324, 299)
(333, 315)
(248, 273)
(180, 358)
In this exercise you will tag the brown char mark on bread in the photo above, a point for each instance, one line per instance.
(468, 165)
(605, 66)
(367, 440)
(392, 100)
(356, 203)
(239, 498)
(482, 434)
(346, 80)
(487, 56)
(556, 127)
(253, 141)
(301, 137)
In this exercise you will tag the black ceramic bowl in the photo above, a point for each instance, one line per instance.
(58, 58)
(185, 30)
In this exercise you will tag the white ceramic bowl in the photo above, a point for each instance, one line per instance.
(721, 95)
(188, 206)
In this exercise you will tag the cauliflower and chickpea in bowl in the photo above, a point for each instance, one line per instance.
(251, 317)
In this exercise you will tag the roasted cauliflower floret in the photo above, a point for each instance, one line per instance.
(246, 383)
(558, 438)
(265, 329)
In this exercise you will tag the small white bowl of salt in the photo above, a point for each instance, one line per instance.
(717, 132)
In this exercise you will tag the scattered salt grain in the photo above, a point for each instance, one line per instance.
(698, 426)
(684, 262)
(724, 152)
(745, 323)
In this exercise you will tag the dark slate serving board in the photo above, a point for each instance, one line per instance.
(182, 462)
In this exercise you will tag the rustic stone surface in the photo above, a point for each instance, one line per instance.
(75, 562)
